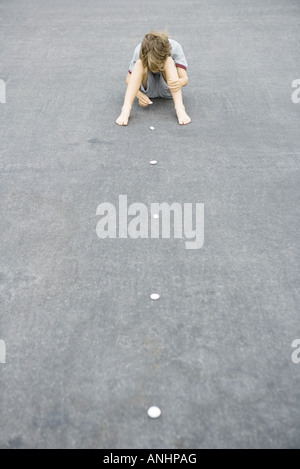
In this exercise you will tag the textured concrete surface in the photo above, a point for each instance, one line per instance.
(87, 352)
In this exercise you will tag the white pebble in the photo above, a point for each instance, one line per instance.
(156, 216)
(154, 412)
(152, 128)
(153, 162)
(155, 296)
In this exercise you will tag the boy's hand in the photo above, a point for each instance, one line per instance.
(144, 101)
(175, 85)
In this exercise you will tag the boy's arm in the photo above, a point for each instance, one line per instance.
(183, 76)
(128, 77)
(182, 80)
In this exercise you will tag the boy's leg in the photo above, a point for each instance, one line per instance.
(145, 79)
(170, 73)
(132, 89)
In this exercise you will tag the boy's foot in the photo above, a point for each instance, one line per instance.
(183, 118)
(124, 116)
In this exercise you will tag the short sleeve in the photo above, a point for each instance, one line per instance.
(179, 57)
(135, 58)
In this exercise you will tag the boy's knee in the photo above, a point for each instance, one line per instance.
(139, 65)
(169, 63)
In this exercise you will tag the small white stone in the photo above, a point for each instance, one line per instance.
(154, 412)
(156, 216)
(155, 296)
(153, 162)
(152, 128)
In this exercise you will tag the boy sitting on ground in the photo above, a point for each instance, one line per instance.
(157, 70)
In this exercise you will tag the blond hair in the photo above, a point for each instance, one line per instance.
(155, 50)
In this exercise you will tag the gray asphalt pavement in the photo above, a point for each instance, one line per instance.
(87, 351)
